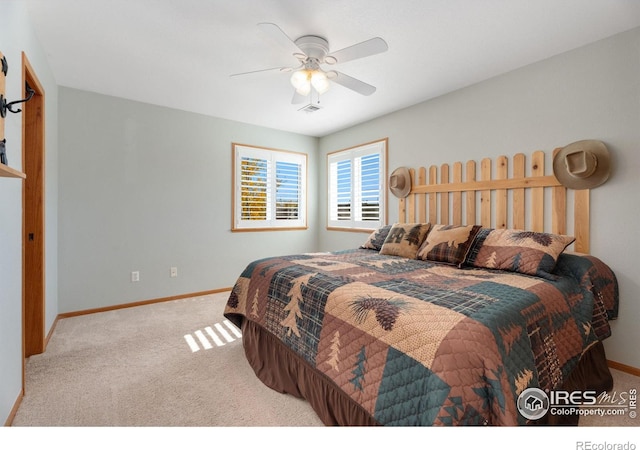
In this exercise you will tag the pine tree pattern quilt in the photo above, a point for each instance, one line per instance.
(422, 343)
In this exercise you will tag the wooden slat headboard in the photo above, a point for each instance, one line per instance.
(498, 199)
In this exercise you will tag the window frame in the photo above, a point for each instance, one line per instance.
(375, 147)
(273, 156)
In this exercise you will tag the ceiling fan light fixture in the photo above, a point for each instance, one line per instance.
(319, 81)
(304, 90)
(313, 51)
(301, 79)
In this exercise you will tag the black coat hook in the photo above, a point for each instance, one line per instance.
(3, 152)
(4, 106)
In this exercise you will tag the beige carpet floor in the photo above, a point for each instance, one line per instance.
(135, 367)
(160, 366)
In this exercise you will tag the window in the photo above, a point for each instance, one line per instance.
(357, 186)
(269, 188)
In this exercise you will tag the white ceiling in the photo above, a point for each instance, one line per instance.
(181, 53)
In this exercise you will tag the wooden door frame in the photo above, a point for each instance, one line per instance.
(33, 223)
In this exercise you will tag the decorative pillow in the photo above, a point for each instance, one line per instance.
(376, 239)
(404, 239)
(448, 243)
(528, 252)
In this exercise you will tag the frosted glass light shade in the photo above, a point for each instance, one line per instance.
(304, 89)
(320, 82)
(302, 80)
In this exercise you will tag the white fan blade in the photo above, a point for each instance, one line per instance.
(280, 37)
(298, 98)
(352, 83)
(279, 69)
(363, 49)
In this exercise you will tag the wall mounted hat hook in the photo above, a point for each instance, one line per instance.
(4, 106)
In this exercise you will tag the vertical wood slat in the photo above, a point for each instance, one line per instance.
(411, 199)
(518, 206)
(470, 175)
(402, 210)
(581, 229)
(433, 198)
(485, 196)
(457, 196)
(501, 194)
(422, 198)
(444, 197)
(559, 210)
(558, 207)
(537, 194)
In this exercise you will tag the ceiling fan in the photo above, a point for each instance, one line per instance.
(312, 52)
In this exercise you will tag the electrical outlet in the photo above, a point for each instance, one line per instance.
(174, 272)
(135, 276)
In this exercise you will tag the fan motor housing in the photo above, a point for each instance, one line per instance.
(313, 46)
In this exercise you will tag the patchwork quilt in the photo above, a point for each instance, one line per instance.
(423, 343)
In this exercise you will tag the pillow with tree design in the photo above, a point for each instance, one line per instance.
(404, 239)
(377, 238)
(448, 243)
(527, 252)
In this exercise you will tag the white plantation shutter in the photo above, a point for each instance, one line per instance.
(370, 187)
(340, 190)
(288, 190)
(254, 188)
(270, 188)
(357, 186)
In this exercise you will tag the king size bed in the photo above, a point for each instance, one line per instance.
(429, 323)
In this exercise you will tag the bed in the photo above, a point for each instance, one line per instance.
(432, 321)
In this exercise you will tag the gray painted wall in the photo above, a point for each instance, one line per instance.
(590, 93)
(146, 188)
(16, 36)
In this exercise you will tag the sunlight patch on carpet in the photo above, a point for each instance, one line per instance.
(218, 337)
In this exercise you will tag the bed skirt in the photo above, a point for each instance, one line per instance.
(279, 368)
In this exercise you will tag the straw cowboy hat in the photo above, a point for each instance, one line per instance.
(400, 182)
(582, 164)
